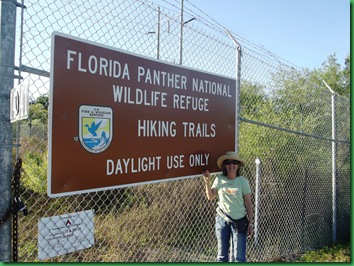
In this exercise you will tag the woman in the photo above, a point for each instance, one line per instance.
(234, 206)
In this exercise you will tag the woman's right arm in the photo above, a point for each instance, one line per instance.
(210, 193)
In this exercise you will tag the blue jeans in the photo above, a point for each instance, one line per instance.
(226, 234)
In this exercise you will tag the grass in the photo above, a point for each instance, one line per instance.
(333, 253)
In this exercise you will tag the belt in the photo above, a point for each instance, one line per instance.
(229, 217)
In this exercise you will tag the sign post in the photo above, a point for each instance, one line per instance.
(118, 119)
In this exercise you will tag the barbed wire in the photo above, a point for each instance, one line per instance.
(207, 21)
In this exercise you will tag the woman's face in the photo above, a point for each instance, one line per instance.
(231, 165)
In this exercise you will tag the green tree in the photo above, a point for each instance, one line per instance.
(43, 100)
(346, 73)
(38, 111)
(297, 99)
(333, 74)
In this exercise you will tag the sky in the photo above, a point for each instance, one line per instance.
(303, 32)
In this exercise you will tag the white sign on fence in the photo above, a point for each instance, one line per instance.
(19, 104)
(58, 235)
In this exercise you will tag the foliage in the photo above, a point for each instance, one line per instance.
(332, 73)
(296, 100)
(43, 100)
(33, 148)
(38, 111)
(35, 167)
(137, 229)
(333, 253)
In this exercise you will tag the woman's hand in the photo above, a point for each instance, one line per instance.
(210, 193)
(206, 176)
(249, 210)
(250, 230)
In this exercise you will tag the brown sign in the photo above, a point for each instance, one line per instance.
(118, 119)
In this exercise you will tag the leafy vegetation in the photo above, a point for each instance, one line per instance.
(333, 253)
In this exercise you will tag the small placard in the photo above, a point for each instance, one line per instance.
(58, 235)
(19, 104)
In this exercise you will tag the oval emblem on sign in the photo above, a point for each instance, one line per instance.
(96, 127)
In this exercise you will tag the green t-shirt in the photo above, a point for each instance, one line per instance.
(230, 193)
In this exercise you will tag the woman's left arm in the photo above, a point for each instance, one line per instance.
(249, 210)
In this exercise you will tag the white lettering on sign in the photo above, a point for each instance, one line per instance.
(97, 65)
(162, 78)
(190, 102)
(132, 165)
(156, 128)
(175, 161)
(122, 94)
(211, 87)
(196, 130)
(199, 160)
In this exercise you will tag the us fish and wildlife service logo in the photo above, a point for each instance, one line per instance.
(96, 127)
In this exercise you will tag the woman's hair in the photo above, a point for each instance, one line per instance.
(224, 171)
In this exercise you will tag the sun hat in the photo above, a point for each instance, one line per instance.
(230, 155)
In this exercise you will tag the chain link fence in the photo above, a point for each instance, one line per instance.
(286, 123)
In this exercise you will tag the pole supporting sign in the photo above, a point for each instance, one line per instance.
(119, 119)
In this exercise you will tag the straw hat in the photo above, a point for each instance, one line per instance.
(230, 155)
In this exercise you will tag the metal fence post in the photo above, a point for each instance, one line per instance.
(158, 33)
(7, 55)
(181, 35)
(334, 166)
(238, 96)
(238, 88)
(256, 199)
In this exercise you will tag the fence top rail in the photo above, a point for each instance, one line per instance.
(292, 131)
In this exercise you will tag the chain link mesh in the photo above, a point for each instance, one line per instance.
(285, 121)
